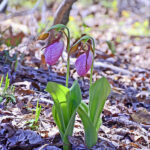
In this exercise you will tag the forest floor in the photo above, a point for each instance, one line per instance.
(126, 115)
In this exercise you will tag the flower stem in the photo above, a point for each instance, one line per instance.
(68, 68)
(91, 74)
(68, 57)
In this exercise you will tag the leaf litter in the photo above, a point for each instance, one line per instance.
(126, 114)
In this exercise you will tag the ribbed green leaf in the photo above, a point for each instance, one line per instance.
(73, 98)
(89, 128)
(57, 121)
(99, 91)
(85, 107)
(73, 101)
(59, 94)
(66, 102)
(69, 131)
(57, 91)
(98, 124)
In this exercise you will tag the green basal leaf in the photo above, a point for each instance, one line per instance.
(74, 98)
(99, 91)
(98, 124)
(73, 101)
(59, 94)
(66, 102)
(89, 128)
(69, 131)
(57, 91)
(57, 121)
(85, 107)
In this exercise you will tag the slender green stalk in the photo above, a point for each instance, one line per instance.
(68, 58)
(91, 74)
(68, 69)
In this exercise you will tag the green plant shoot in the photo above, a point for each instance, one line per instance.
(34, 122)
(7, 92)
(66, 103)
(90, 115)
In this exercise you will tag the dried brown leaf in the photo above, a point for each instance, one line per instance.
(43, 36)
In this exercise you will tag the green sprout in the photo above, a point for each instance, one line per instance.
(7, 92)
(34, 122)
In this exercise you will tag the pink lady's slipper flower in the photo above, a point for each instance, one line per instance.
(53, 52)
(84, 63)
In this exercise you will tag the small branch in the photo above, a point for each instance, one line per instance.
(63, 11)
(112, 67)
(62, 15)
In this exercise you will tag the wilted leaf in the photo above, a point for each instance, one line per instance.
(73, 49)
(43, 36)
